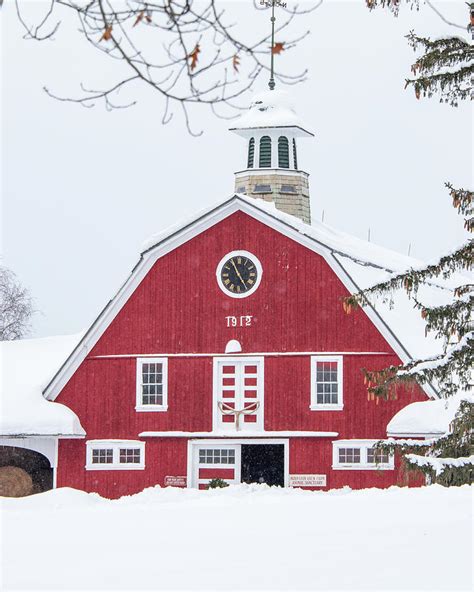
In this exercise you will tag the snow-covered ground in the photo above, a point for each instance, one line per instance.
(243, 538)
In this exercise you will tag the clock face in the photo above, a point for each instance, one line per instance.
(239, 274)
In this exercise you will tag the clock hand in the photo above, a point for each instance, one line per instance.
(238, 273)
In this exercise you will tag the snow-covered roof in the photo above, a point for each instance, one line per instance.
(26, 367)
(426, 418)
(273, 108)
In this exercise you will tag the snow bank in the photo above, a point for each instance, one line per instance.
(426, 418)
(26, 367)
(240, 538)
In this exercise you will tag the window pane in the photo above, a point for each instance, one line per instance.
(326, 382)
(152, 383)
(349, 455)
(129, 455)
(102, 456)
(377, 457)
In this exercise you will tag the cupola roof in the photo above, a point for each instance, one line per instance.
(271, 109)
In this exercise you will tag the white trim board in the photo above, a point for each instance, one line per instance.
(240, 354)
(181, 235)
(241, 435)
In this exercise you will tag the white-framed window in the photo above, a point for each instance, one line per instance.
(217, 456)
(152, 384)
(326, 383)
(106, 455)
(359, 455)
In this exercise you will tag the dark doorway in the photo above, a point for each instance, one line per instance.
(23, 472)
(263, 463)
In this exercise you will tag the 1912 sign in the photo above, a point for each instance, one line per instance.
(242, 321)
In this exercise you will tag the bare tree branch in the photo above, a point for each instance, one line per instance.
(16, 307)
(185, 50)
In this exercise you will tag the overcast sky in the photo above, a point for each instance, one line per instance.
(83, 188)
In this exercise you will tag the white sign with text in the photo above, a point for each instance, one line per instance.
(307, 480)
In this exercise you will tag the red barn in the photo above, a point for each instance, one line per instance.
(227, 352)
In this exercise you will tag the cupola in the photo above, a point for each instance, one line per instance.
(272, 130)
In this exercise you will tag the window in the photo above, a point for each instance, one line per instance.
(359, 455)
(152, 384)
(295, 162)
(101, 456)
(326, 383)
(251, 153)
(216, 456)
(283, 153)
(106, 455)
(288, 189)
(265, 159)
(377, 457)
(260, 188)
(349, 455)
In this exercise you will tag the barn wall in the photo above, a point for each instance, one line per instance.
(163, 457)
(178, 308)
(314, 456)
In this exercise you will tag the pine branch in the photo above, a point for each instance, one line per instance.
(410, 280)
(447, 460)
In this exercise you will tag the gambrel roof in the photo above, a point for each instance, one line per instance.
(357, 263)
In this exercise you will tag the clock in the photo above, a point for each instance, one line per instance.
(239, 274)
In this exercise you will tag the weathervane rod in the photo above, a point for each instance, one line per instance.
(271, 83)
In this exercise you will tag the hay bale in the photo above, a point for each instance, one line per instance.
(15, 482)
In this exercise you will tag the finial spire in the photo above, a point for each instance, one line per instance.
(272, 3)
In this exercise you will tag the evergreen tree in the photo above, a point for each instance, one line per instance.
(445, 69)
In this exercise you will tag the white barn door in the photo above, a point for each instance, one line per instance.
(238, 395)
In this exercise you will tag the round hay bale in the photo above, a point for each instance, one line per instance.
(15, 482)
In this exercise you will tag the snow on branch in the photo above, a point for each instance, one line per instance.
(439, 465)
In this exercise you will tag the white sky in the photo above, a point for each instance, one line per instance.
(83, 188)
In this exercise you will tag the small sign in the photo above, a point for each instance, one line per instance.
(242, 321)
(171, 481)
(307, 480)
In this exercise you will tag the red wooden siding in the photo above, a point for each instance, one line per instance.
(179, 309)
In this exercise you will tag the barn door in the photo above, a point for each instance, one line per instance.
(238, 394)
(215, 461)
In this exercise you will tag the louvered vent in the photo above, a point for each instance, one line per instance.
(283, 153)
(265, 152)
(251, 153)
(295, 162)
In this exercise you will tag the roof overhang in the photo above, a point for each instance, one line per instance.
(296, 130)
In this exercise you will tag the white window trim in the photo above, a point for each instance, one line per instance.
(115, 445)
(364, 445)
(314, 405)
(139, 404)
